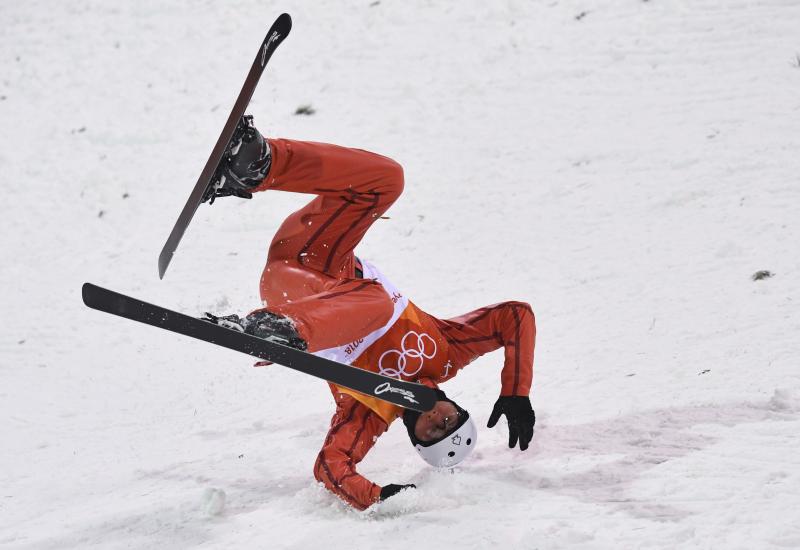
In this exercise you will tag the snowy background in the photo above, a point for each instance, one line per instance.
(623, 165)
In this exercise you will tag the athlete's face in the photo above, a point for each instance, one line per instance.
(437, 422)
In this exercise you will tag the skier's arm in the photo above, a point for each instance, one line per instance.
(510, 325)
(352, 434)
(517, 325)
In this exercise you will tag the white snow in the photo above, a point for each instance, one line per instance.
(625, 171)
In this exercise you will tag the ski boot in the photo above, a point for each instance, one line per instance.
(244, 164)
(262, 324)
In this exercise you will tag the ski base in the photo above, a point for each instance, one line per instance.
(276, 34)
(409, 395)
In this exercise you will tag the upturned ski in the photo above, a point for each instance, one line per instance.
(398, 392)
(276, 34)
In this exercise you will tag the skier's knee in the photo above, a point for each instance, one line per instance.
(392, 179)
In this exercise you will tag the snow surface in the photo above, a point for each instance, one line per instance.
(623, 165)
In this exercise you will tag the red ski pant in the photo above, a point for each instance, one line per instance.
(310, 270)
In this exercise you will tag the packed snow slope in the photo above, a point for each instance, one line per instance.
(625, 166)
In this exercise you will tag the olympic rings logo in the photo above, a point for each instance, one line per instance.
(408, 360)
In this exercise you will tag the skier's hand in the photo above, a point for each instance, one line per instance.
(392, 489)
(520, 417)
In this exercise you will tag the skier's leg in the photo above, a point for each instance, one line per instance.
(309, 276)
(340, 315)
(510, 325)
(315, 244)
(343, 313)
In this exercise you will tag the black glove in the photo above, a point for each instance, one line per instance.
(520, 416)
(392, 489)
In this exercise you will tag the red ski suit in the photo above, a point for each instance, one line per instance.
(347, 310)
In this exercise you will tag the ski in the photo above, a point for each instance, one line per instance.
(276, 34)
(405, 394)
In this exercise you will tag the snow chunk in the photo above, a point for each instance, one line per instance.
(213, 501)
(784, 400)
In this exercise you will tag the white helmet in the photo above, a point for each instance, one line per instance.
(450, 449)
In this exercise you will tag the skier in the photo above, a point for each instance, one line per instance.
(320, 297)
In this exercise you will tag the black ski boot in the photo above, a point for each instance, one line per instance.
(263, 324)
(244, 165)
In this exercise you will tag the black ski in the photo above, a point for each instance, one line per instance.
(399, 392)
(277, 33)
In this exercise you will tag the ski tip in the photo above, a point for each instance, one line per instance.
(86, 291)
(163, 262)
(282, 25)
(285, 21)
